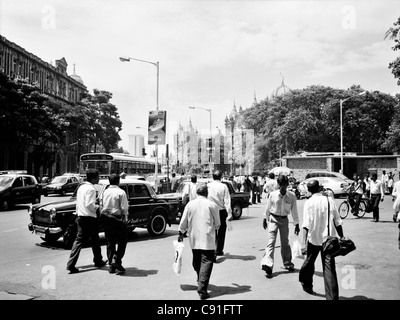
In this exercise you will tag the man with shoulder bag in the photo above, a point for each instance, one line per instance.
(316, 231)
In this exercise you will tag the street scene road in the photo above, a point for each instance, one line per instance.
(33, 270)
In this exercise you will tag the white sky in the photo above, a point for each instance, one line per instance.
(212, 54)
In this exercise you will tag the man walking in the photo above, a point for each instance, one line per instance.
(377, 195)
(219, 194)
(315, 231)
(201, 221)
(114, 215)
(87, 222)
(280, 204)
(271, 185)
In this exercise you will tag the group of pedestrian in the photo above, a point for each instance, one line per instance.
(112, 211)
(281, 203)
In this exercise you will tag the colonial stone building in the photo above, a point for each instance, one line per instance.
(52, 80)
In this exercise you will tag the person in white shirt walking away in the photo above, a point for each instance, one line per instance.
(201, 221)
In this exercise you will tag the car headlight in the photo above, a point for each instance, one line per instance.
(53, 213)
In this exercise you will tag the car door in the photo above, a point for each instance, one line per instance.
(18, 194)
(29, 189)
(140, 203)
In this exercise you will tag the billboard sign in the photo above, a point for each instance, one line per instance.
(157, 127)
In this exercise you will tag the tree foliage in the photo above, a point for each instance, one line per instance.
(32, 118)
(308, 120)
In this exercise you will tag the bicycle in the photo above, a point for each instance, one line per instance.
(345, 206)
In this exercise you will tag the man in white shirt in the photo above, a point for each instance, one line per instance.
(201, 221)
(377, 195)
(280, 204)
(396, 198)
(219, 194)
(87, 222)
(315, 231)
(114, 216)
(190, 190)
(271, 185)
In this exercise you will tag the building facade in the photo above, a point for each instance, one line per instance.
(53, 80)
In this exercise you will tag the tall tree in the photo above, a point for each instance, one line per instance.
(393, 33)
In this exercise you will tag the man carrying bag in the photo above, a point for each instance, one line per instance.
(315, 226)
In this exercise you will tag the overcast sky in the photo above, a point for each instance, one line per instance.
(212, 54)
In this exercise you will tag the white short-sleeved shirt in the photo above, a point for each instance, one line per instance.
(315, 218)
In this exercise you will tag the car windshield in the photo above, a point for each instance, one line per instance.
(59, 179)
(5, 181)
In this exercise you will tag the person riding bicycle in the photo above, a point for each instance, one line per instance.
(356, 191)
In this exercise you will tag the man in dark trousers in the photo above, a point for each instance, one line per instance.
(114, 215)
(87, 222)
(315, 231)
(200, 220)
(219, 194)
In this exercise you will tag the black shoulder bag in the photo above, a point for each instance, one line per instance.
(333, 246)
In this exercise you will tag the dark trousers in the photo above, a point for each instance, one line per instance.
(203, 261)
(88, 228)
(357, 199)
(116, 232)
(329, 271)
(375, 200)
(221, 232)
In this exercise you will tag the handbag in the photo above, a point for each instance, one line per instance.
(333, 246)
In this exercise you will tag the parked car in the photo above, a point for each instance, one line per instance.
(332, 174)
(61, 185)
(239, 200)
(54, 220)
(18, 188)
(336, 187)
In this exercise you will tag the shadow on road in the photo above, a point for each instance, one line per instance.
(216, 291)
(233, 256)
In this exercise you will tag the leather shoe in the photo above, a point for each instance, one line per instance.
(204, 296)
(100, 264)
(73, 270)
(120, 268)
(267, 269)
(309, 290)
(289, 268)
(111, 269)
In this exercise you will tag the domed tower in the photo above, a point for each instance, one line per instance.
(76, 77)
(281, 90)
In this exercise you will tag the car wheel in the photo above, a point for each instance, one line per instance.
(236, 211)
(5, 205)
(157, 225)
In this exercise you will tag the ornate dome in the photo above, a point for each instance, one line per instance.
(281, 90)
(76, 77)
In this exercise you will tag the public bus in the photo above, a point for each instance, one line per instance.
(107, 163)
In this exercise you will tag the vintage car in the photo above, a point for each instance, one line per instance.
(239, 200)
(54, 220)
(18, 188)
(61, 185)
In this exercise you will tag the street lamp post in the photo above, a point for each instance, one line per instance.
(209, 158)
(341, 127)
(157, 65)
